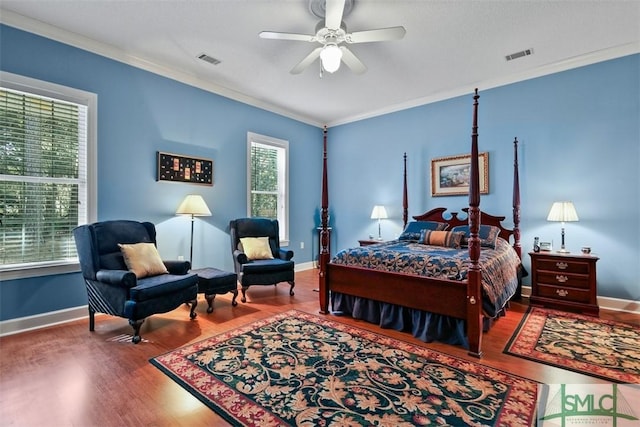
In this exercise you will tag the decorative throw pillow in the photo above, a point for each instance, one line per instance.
(488, 235)
(414, 228)
(448, 239)
(143, 259)
(256, 247)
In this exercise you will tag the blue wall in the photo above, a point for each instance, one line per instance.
(579, 133)
(140, 113)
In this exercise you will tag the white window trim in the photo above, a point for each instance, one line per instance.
(274, 142)
(90, 100)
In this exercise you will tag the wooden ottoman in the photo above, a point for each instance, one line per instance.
(212, 282)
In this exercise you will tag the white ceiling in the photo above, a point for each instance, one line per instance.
(450, 46)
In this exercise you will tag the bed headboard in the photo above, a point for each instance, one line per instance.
(485, 218)
(438, 215)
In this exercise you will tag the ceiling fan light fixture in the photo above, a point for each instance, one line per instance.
(331, 56)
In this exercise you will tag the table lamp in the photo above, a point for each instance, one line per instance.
(562, 212)
(379, 212)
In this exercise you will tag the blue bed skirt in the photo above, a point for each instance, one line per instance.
(423, 325)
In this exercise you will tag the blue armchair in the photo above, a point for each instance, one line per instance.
(114, 289)
(254, 266)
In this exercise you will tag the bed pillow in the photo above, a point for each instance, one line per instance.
(256, 247)
(143, 259)
(488, 235)
(413, 229)
(448, 239)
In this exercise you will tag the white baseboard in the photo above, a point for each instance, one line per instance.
(305, 266)
(38, 321)
(619, 304)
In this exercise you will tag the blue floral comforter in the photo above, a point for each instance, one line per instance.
(499, 266)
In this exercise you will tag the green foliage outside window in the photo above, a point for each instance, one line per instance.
(264, 182)
(39, 178)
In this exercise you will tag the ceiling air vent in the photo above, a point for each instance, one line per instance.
(209, 59)
(520, 54)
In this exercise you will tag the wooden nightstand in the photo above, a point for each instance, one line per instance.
(367, 242)
(564, 281)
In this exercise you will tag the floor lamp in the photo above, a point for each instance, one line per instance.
(193, 205)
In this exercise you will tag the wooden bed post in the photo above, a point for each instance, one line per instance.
(516, 201)
(474, 278)
(405, 203)
(323, 258)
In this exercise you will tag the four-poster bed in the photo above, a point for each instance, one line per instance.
(459, 298)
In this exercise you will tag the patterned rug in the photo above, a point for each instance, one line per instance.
(584, 344)
(299, 369)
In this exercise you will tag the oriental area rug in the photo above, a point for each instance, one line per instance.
(305, 370)
(600, 348)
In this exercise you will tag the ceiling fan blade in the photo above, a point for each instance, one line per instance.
(287, 36)
(352, 61)
(379, 35)
(302, 65)
(333, 14)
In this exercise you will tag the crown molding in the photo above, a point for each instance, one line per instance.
(40, 28)
(45, 30)
(568, 64)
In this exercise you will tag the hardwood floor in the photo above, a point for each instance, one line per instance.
(65, 375)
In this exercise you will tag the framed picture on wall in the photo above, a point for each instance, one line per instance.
(450, 175)
(179, 168)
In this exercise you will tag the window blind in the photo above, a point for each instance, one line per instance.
(264, 181)
(43, 177)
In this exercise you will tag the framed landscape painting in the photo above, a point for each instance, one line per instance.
(450, 175)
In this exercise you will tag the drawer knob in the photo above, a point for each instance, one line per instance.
(562, 265)
(562, 292)
(560, 278)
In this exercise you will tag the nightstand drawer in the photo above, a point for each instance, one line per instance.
(564, 265)
(563, 279)
(562, 293)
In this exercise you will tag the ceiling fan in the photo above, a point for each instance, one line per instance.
(331, 34)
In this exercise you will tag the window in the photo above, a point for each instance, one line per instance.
(47, 174)
(268, 180)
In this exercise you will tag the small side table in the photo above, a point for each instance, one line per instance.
(564, 281)
(367, 242)
(212, 282)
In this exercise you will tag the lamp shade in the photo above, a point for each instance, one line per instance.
(379, 212)
(562, 212)
(193, 205)
(331, 55)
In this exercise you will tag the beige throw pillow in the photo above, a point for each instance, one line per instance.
(143, 259)
(256, 247)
